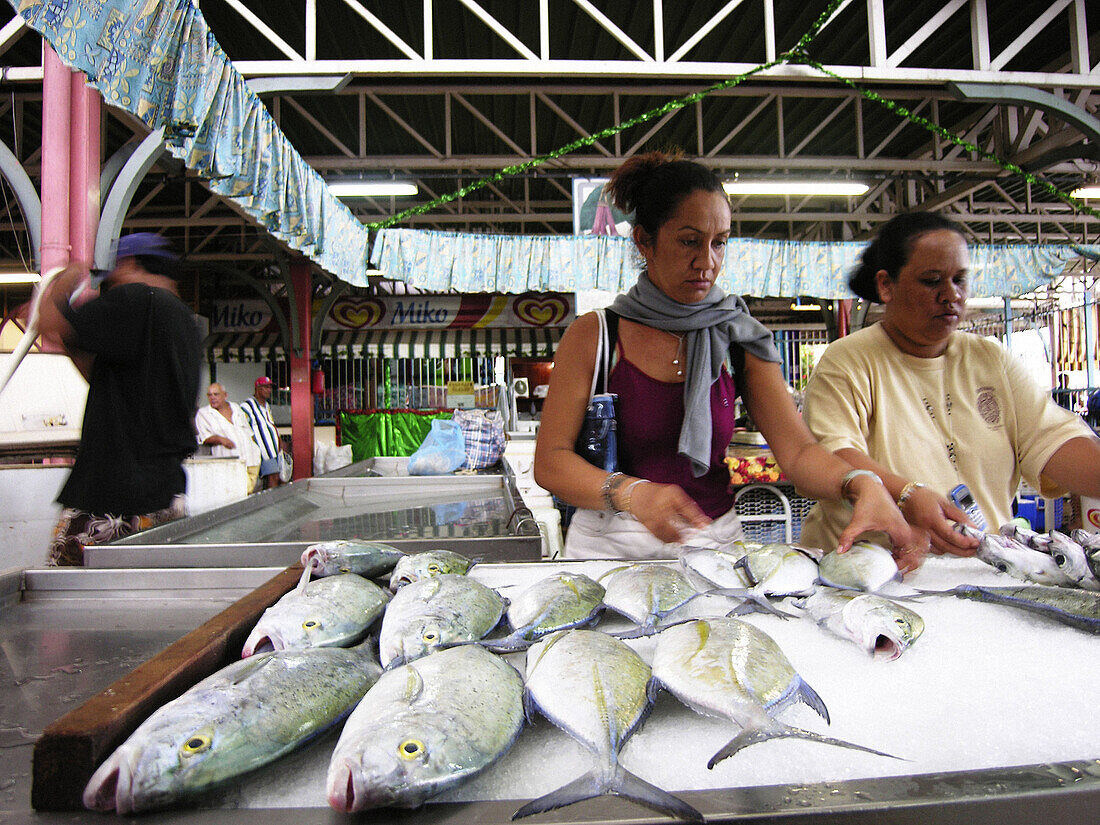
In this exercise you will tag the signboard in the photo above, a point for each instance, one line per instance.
(460, 394)
(476, 311)
(593, 213)
(244, 315)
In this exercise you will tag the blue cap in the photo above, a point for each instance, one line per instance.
(143, 243)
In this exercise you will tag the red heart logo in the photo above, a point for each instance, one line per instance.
(540, 310)
(358, 313)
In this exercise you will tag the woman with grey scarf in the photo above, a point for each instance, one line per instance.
(685, 350)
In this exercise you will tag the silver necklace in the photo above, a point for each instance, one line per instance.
(679, 346)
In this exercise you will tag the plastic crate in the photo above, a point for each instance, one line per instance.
(1033, 508)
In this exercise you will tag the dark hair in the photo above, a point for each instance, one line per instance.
(160, 265)
(891, 248)
(653, 185)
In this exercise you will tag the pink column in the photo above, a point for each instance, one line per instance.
(301, 396)
(56, 97)
(84, 169)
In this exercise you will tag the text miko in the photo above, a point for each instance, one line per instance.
(415, 313)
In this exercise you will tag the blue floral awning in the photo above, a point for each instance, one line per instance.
(160, 62)
(442, 261)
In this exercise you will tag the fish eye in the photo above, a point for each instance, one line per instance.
(195, 744)
(411, 749)
(430, 636)
(1001, 566)
(345, 569)
(311, 624)
(1059, 559)
(434, 568)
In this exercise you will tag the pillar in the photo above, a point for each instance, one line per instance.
(56, 99)
(301, 395)
(84, 169)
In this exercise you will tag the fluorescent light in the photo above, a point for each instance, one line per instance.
(806, 307)
(367, 189)
(1086, 192)
(19, 277)
(794, 187)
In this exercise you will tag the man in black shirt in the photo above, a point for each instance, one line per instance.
(138, 345)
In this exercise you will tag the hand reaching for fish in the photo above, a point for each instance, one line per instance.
(874, 509)
(935, 516)
(666, 511)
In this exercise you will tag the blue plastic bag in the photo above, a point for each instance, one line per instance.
(442, 451)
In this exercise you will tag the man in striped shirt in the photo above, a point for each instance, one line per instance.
(258, 413)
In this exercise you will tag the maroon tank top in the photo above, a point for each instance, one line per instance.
(650, 413)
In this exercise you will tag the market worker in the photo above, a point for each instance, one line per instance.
(929, 408)
(258, 413)
(139, 347)
(676, 336)
(223, 426)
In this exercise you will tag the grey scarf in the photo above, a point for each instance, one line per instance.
(709, 328)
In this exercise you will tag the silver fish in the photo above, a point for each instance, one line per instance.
(1091, 543)
(1019, 561)
(708, 569)
(780, 570)
(728, 668)
(332, 612)
(436, 612)
(558, 602)
(646, 594)
(424, 565)
(1072, 606)
(595, 688)
(884, 629)
(367, 558)
(1072, 560)
(426, 727)
(867, 567)
(244, 716)
(1025, 536)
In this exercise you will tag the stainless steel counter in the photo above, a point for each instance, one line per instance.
(479, 514)
(68, 634)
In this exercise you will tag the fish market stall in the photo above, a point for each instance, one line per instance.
(479, 514)
(989, 713)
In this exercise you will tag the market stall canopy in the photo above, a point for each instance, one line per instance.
(444, 261)
(253, 347)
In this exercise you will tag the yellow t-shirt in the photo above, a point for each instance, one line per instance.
(971, 416)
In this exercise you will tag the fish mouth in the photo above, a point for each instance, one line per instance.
(263, 643)
(111, 788)
(887, 648)
(351, 789)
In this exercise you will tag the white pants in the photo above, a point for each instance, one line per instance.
(598, 534)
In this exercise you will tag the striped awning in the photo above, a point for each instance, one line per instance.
(530, 342)
(247, 347)
(258, 347)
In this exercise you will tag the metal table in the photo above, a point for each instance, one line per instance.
(68, 634)
(480, 514)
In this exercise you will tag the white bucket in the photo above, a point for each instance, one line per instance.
(1090, 514)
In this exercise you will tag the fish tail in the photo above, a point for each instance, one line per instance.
(514, 643)
(617, 782)
(756, 603)
(753, 737)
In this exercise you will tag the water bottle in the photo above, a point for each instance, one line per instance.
(598, 441)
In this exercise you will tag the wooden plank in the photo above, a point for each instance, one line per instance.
(70, 749)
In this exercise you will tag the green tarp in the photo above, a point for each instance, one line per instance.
(373, 433)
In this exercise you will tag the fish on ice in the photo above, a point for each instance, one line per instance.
(242, 717)
(425, 727)
(367, 558)
(426, 564)
(882, 628)
(558, 602)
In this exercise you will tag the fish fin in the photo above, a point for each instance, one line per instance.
(753, 737)
(512, 643)
(618, 782)
(756, 603)
(743, 564)
(808, 696)
(530, 708)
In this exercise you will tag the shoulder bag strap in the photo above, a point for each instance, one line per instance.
(599, 371)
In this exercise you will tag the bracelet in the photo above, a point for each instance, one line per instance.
(609, 486)
(852, 474)
(907, 492)
(627, 496)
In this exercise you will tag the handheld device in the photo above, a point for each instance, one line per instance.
(964, 500)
